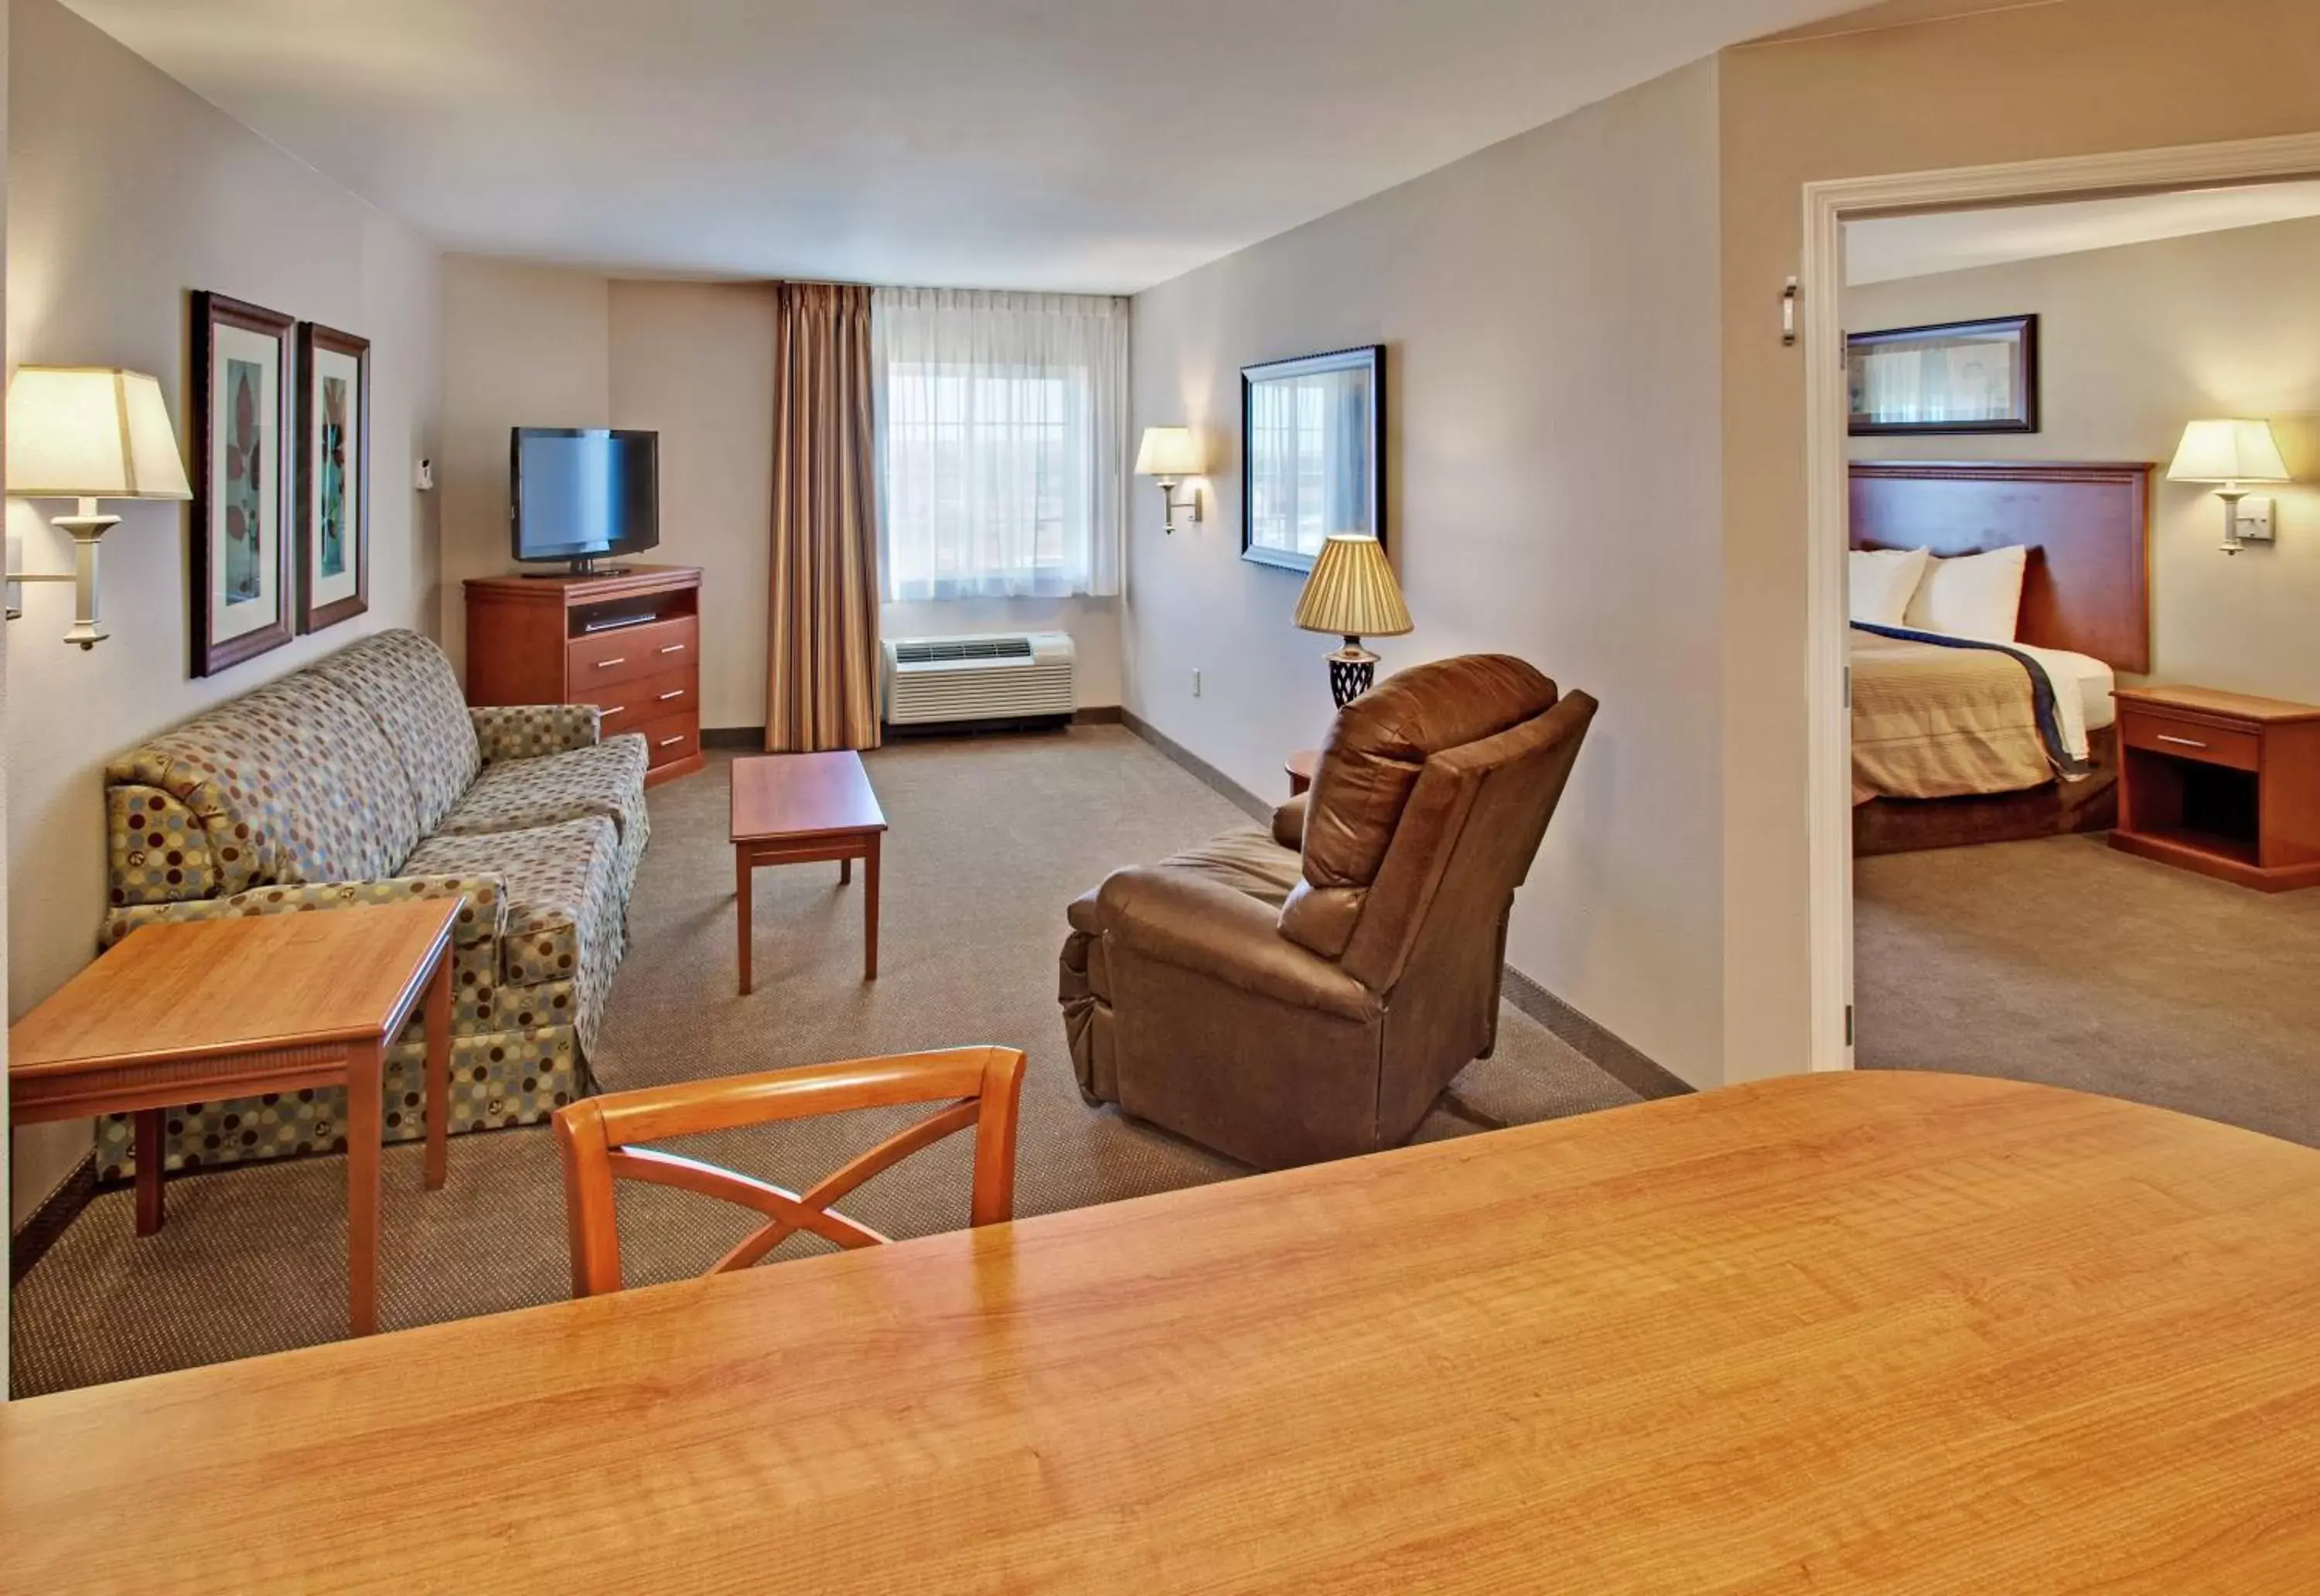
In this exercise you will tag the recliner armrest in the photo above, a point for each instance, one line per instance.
(1289, 822)
(1184, 920)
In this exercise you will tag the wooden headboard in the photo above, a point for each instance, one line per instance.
(2088, 586)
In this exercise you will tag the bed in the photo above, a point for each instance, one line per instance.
(1997, 774)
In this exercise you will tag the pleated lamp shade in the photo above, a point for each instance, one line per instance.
(1352, 591)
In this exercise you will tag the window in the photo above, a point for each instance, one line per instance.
(1002, 442)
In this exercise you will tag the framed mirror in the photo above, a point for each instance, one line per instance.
(1312, 457)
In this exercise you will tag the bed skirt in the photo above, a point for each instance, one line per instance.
(2056, 808)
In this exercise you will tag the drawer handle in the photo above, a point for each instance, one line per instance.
(670, 742)
(608, 663)
(617, 709)
(674, 649)
(2182, 743)
(672, 692)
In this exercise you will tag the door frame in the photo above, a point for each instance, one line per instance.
(1828, 205)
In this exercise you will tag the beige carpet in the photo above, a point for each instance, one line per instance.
(2065, 962)
(992, 837)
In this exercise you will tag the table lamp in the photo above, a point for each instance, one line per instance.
(2231, 454)
(1351, 593)
(87, 432)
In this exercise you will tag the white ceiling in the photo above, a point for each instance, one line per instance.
(1099, 145)
(1881, 250)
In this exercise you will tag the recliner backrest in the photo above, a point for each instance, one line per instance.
(1376, 819)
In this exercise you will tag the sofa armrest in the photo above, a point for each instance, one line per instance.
(528, 730)
(483, 915)
(1178, 918)
(1289, 822)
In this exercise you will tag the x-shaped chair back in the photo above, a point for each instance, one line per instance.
(979, 1086)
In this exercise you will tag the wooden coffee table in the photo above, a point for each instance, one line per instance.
(803, 809)
(211, 1009)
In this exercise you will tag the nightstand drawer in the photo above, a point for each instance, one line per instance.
(2191, 740)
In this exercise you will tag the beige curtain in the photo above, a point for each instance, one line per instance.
(821, 648)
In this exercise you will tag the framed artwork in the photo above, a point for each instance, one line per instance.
(333, 477)
(1959, 378)
(243, 369)
(1312, 457)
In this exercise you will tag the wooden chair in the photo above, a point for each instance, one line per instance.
(597, 1138)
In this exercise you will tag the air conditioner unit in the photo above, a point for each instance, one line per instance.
(1005, 677)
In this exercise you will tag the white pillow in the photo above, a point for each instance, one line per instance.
(1972, 596)
(1882, 581)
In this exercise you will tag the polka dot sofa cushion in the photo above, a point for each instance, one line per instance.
(294, 783)
(408, 687)
(562, 910)
(515, 794)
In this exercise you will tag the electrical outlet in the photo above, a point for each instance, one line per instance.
(1196, 683)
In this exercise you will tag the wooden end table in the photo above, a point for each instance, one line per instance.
(1300, 767)
(208, 1009)
(2221, 783)
(803, 809)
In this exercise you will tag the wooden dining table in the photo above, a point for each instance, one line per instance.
(1859, 1332)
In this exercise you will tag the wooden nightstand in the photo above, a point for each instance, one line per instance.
(2222, 784)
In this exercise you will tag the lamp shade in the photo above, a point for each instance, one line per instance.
(1169, 451)
(91, 432)
(2228, 451)
(1352, 591)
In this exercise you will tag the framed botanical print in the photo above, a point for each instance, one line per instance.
(243, 371)
(1312, 456)
(1959, 377)
(333, 477)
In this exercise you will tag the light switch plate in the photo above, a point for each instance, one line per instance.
(2255, 517)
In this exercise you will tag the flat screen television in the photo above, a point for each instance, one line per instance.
(583, 493)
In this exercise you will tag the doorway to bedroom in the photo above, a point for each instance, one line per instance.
(2082, 527)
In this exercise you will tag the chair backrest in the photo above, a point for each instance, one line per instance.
(597, 1136)
(1392, 794)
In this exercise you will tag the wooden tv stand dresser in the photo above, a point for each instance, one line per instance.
(630, 644)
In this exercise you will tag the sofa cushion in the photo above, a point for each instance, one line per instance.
(607, 779)
(405, 682)
(559, 884)
(294, 783)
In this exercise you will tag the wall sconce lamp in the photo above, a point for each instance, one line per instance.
(1170, 453)
(2232, 454)
(86, 433)
(1351, 593)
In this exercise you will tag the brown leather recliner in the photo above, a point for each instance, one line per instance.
(1307, 994)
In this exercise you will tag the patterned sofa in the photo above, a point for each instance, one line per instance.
(363, 778)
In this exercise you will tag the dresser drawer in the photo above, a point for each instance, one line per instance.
(2191, 740)
(630, 655)
(672, 738)
(627, 705)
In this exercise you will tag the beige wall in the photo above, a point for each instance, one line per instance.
(1549, 307)
(127, 193)
(2134, 342)
(524, 346)
(531, 345)
(2081, 77)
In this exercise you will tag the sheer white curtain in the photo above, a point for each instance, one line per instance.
(1002, 442)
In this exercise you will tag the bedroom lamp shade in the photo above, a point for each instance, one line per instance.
(91, 432)
(1169, 454)
(86, 433)
(2231, 453)
(1169, 451)
(1351, 593)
